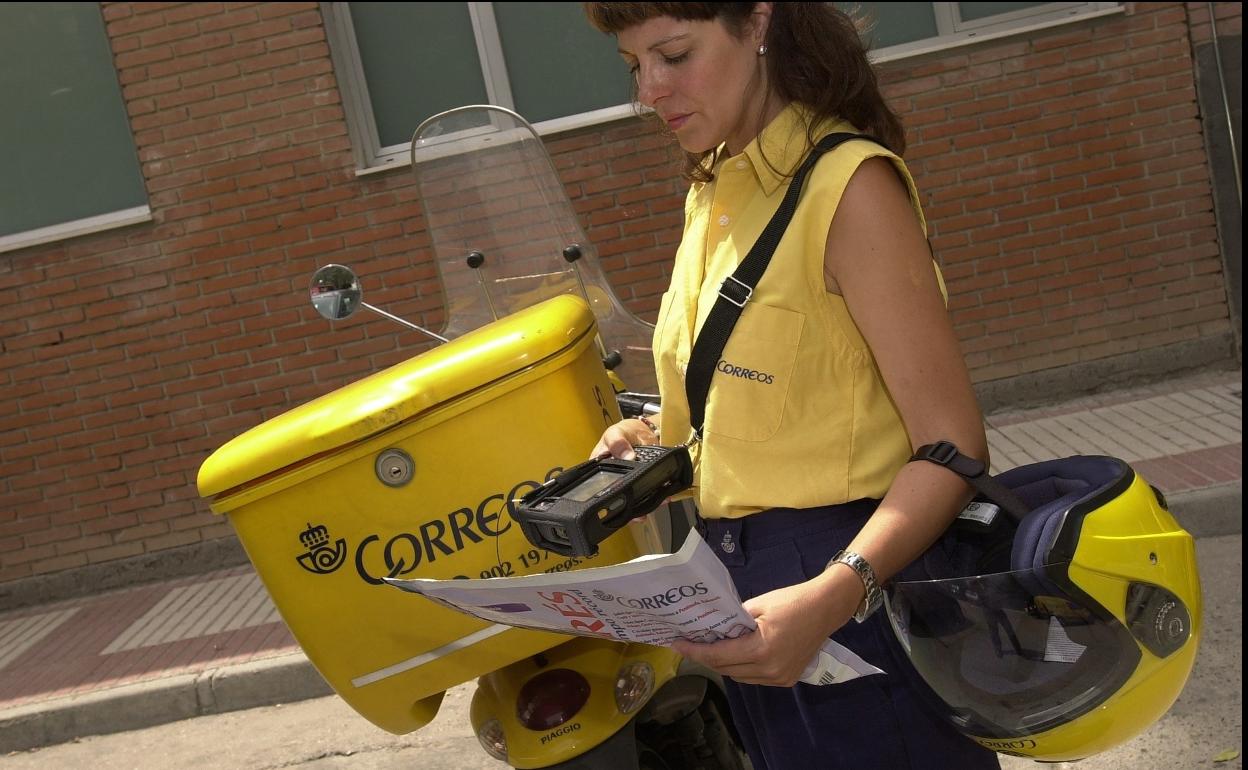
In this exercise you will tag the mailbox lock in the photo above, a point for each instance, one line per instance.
(394, 467)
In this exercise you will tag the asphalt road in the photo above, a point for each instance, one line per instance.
(324, 733)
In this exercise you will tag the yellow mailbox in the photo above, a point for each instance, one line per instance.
(410, 473)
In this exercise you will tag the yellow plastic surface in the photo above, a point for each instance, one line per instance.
(382, 401)
(484, 418)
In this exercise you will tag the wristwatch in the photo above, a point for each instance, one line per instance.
(874, 597)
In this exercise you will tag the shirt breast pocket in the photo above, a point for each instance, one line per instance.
(753, 377)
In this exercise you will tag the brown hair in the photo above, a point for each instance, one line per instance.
(815, 55)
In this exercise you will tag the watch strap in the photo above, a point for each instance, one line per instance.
(874, 597)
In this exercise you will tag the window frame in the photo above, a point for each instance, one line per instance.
(953, 32)
(371, 157)
(76, 227)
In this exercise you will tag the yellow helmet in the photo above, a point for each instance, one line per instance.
(1061, 630)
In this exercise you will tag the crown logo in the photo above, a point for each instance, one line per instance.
(314, 537)
(321, 558)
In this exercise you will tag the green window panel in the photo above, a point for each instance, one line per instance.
(69, 153)
(557, 63)
(891, 24)
(419, 59)
(977, 11)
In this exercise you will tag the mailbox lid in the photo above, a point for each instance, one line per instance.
(515, 345)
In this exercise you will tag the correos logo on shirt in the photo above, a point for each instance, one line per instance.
(745, 374)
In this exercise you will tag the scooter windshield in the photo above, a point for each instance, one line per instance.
(1011, 654)
(504, 233)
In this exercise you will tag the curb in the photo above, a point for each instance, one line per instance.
(1209, 512)
(282, 679)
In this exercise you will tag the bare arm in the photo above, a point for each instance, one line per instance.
(877, 255)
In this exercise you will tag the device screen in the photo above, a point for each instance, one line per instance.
(591, 486)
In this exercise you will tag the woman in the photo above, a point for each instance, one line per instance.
(842, 363)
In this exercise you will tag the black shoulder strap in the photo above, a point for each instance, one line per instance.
(737, 288)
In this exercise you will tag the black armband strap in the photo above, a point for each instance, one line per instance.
(976, 474)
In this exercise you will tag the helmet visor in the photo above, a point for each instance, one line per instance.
(1012, 653)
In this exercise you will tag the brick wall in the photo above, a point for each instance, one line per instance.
(1064, 175)
(1068, 191)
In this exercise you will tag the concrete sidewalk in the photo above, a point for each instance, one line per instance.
(166, 651)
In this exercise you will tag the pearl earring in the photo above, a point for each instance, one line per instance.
(762, 50)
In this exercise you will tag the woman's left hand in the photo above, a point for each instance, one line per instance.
(793, 623)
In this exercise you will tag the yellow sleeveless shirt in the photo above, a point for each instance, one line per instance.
(798, 415)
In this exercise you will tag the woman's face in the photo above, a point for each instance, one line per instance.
(708, 86)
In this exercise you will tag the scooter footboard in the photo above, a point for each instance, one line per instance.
(410, 473)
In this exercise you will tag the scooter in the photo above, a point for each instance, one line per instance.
(412, 472)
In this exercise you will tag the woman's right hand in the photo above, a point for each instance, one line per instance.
(619, 439)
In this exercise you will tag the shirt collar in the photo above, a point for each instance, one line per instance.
(780, 147)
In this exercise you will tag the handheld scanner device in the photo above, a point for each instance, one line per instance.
(578, 509)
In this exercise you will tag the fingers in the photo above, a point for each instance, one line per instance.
(721, 655)
(601, 449)
(748, 659)
(619, 439)
(733, 658)
(614, 442)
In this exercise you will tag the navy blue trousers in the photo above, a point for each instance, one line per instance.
(877, 721)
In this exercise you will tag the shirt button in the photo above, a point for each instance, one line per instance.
(741, 164)
(724, 220)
